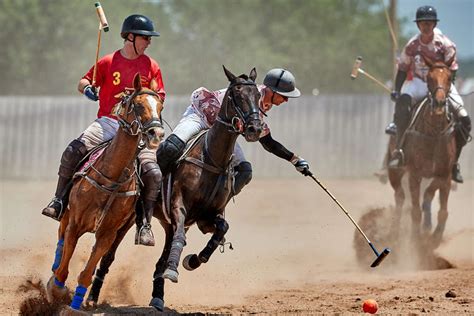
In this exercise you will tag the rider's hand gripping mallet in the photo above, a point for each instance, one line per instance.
(103, 25)
(380, 256)
(356, 69)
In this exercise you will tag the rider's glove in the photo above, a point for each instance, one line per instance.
(91, 93)
(394, 96)
(301, 165)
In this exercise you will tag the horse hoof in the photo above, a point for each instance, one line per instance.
(69, 311)
(55, 293)
(191, 262)
(171, 275)
(90, 303)
(157, 303)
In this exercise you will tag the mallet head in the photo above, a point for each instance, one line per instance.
(356, 67)
(103, 20)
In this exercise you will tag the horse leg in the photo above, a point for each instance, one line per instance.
(104, 241)
(105, 264)
(414, 185)
(395, 177)
(193, 261)
(67, 241)
(426, 206)
(442, 213)
(177, 245)
(157, 300)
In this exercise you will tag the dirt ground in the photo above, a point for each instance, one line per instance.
(293, 253)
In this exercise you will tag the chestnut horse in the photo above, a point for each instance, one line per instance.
(430, 148)
(198, 190)
(103, 195)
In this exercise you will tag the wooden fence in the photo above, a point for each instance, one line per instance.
(339, 135)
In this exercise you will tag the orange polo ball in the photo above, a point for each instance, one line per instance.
(370, 306)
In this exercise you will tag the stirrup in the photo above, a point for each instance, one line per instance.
(52, 211)
(142, 233)
(397, 160)
(391, 129)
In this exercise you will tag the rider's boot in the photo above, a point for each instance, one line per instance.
(401, 119)
(168, 152)
(71, 157)
(151, 178)
(243, 176)
(462, 136)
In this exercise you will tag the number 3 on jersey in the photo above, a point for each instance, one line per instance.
(116, 81)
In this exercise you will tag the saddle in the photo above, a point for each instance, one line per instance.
(225, 181)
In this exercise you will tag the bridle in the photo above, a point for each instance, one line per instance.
(240, 120)
(136, 126)
(446, 90)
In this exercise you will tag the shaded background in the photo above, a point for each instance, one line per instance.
(337, 125)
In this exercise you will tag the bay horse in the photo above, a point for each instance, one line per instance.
(430, 151)
(199, 188)
(103, 195)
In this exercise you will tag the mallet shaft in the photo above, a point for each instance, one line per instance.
(374, 79)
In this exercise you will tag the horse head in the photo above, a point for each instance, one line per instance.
(439, 84)
(140, 113)
(240, 109)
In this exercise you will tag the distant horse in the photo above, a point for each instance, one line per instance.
(199, 188)
(103, 197)
(430, 148)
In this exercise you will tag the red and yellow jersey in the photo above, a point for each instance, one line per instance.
(115, 75)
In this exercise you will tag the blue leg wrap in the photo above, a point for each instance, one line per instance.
(58, 284)
(78, 297)
(59, 253)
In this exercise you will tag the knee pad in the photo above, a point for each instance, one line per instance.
(71, 157)
(463, 129)
(169, 151)
(243, 176)
(402, 110)
(151, 177)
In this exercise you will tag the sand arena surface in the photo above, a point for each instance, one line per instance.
(293, 253)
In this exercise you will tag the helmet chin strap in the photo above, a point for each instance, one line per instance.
(134, 47)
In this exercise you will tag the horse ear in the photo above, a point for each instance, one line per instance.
(137, 82)
(428, 61)
(253, 74)
(229, 75)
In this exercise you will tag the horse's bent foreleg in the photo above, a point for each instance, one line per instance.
(104, 240)
(442, 213)
(177, 245)
(193, 261)
(157, 300)
(106, 262)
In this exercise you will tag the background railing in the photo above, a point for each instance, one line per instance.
(339, 135)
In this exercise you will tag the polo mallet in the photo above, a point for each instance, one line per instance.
(103, 25)
(356, 69)
(380, 256)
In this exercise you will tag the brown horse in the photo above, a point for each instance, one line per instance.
(199, 188)
(429, 150)
(103, 196)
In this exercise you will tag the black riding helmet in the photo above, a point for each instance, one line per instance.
(426, 13)
(138, 24)
(282, 82)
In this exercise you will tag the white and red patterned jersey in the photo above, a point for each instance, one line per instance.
(441, 48)
(208, 104)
